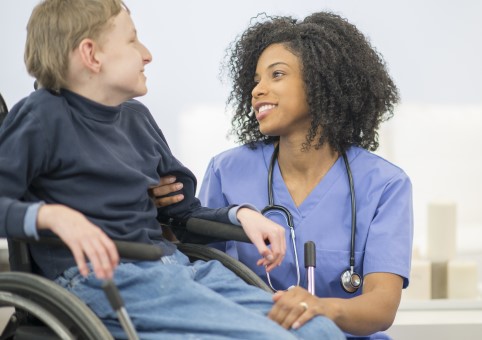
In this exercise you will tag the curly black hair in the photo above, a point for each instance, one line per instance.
(347, 84)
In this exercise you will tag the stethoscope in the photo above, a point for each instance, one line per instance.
(350, 281)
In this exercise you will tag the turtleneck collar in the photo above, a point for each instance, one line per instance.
(90, 109)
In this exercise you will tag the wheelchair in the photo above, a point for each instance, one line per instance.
(43, 310)
(3, 109)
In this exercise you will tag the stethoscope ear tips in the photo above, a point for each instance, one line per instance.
(350, 282)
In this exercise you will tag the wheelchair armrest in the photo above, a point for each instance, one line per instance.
(219, 230)
(129, 250)
(208, 231)
(138, 251)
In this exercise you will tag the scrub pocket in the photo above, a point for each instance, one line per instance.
(330, 264)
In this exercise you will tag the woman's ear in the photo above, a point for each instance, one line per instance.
(88, 54)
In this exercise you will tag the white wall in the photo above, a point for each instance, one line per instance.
(437, 146)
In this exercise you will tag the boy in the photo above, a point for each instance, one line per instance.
(78, 157)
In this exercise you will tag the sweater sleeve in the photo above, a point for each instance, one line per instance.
(190, 206)
(22, 149)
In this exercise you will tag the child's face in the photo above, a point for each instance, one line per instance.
(123, 59)
(279, 97)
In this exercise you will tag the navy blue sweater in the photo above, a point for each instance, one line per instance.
(99, 160)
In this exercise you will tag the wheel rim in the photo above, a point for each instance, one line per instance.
(63, 305)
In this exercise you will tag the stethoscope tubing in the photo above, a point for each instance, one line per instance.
(289, 218)
(353, 211)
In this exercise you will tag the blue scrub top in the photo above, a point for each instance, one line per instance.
(384, 229)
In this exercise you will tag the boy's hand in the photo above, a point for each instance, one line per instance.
(259, 228)
(82, 237)
(166, 186)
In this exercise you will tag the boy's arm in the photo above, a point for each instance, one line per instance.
(23, 154)
(84, 239)
(258, 228)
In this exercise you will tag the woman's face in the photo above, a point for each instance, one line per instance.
(279, 97)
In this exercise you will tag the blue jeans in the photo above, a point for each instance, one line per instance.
(175, 299)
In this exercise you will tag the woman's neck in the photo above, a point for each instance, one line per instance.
(302, 170)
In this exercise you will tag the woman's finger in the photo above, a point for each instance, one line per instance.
(165, 189)
(168, 200)
(279, 312)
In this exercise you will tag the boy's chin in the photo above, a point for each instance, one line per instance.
(140, 93)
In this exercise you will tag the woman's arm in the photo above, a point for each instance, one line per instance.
(374, 310)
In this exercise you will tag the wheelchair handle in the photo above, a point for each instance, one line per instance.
(310, 265)
(112, 294)
(310, 254)
(115, 300)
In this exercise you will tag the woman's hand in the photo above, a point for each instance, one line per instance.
(260, 229)
(372, 311)
(165, 187)
(296, 306)
(83, 238)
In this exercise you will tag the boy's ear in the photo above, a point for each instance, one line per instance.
(88, 55)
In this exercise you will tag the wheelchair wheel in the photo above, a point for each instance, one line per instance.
(60, 312)
(206, 253)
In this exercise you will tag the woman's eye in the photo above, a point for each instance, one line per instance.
(277, 74)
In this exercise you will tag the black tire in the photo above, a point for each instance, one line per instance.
(66, 307)
(206, 253)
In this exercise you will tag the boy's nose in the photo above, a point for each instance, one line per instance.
(147, 56)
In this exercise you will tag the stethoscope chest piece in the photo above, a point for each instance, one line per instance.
(350, 281)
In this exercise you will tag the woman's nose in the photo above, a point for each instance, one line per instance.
(258, 90)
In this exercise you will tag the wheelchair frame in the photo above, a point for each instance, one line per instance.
(44, 310)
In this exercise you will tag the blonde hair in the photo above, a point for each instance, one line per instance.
(56, 28)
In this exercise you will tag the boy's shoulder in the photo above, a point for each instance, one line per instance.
(38, 102)
(41, 99)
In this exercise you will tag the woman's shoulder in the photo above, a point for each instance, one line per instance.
(371, 164)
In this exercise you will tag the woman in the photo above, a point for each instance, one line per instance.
(309, 97)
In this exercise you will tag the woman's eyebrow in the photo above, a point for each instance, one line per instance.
(278, 63)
